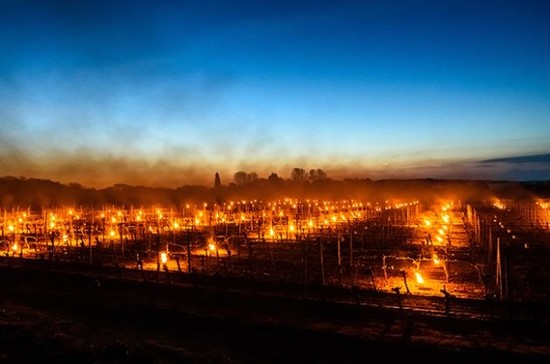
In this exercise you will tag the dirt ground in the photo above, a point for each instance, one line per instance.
(49, 317)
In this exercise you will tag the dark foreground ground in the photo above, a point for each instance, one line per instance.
(48, 316)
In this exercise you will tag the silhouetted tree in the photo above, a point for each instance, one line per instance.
(317, 175)
(298, 174)
(251, 177)
(242, 177)
(239, 178)
(273, 177)
(218, 189)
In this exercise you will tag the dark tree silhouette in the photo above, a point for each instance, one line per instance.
(242, 178)
(239, 178)
(317, 175)
(251, 177)
(273, 177)
(298, 174)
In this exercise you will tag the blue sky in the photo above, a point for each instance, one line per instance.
(169, 92)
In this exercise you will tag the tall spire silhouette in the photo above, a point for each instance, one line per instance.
(217, 181)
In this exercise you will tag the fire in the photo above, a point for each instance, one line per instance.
(419, 278)
(14, 247)
(436, 259)
(163, 257)
(212, 247)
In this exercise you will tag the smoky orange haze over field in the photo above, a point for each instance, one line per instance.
(99, 171)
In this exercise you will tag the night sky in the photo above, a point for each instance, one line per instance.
(166, 93)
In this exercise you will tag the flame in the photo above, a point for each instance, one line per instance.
(436, 259)
(163, 257)
(419, 278)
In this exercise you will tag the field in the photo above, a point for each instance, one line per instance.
(52, 316)
(448, 283)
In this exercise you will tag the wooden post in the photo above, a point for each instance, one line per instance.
(178, 263)
(121, 240)
(498, 272)
(445, 270)
(188, 253)
(304, 259)
(158, 251)
(351, 270)
(322, 262)
(250, 262)
(350, 248)
(52, 234)
(405, 281)
(339, 258)
(90, 242)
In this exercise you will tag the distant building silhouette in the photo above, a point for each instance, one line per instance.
(218, 189)
(217, 181)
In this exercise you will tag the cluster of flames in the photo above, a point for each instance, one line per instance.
(440, 226)
(288, 215)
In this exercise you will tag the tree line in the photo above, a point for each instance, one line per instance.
(42, 193)
(297, 174)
